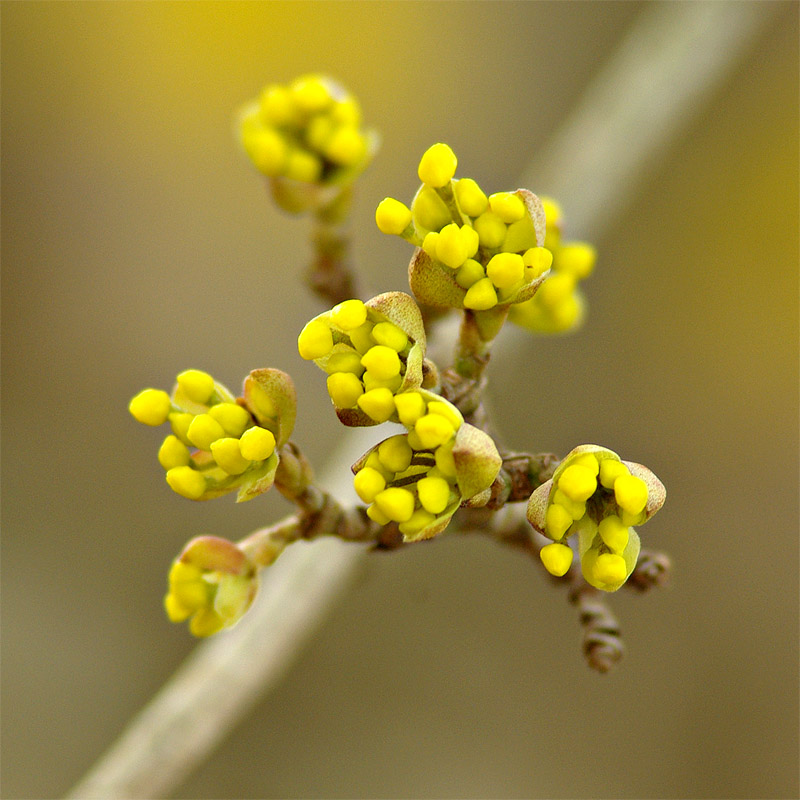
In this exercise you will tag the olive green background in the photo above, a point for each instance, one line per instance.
(137, 241)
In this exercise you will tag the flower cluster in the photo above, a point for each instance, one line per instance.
(600, 497)
(371, 352)
(219, 443)
(212, 583)
(308, 132)
(420, 478)
(475, 251)
(558, 305)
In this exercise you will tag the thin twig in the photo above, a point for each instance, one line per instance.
(674, 55)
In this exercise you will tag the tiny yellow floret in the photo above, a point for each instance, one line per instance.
(150, 407)
(555, 289)
(396, 503)
(173, 453)
(204, 430)
(395, 453)
(610, 569)
(361, 337)
(589, 461)
(577, 483)
(630, 493)
(277, 106)
(575, 508)
(257, 443)
(228, 455)
(180, 422)
(429, 211)
(389, 335)
(505, 270)
(446, 410)
(392, 216)
(315, 340)
(481, 296)
(187, 482)
(302, 166)
(382, 362)
(445, 462)
(469, 273)
(614, 533)
(507, 206)
(196, 385)
(376, 515)
(451, 248)
(410, 407)
(349, 315)
(234, 418)
(346, 146)
(310, 93)
(437, 165)
(557, 558)
(344, 389)
(491, 230)
(538, 259)
(378, 404)
(577, 258)
(610, 470)
(470, 197)
(433, 430)
(434, 494)
(556, 521)
(368, 483)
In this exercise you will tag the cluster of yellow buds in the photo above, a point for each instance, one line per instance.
(420, 478)
(475, 251)
(558, 305)
(600, 497)
(308, 132)
(219, 443)
(371, 351)
(212, 583)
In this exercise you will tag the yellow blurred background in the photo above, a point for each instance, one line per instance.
(137, 241)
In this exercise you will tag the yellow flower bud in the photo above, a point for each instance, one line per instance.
(197, 385)
(277, 106)
(392, 216)
(471, 200)
(390, 335)
(437, 165)
(186, 482)
(369, 483)
(557, 558)
(614, 533)
(577, 259)
(382, 362)
(349, 315)
(396, 503)
(577, 482)
(378, 404)
(610, 470)
(180, 422)
(433, 430)
(505, 270)
(310, 93)
(630, 493)
(434, 494)
(445, 462)
(150, 407)
(173, 453)
(233, 418)
(429, 211)
(419, 520)
(257, 444)
(481, 296)
(507, 206)
(451, 249)
(491, 230)
(410, 407)
(315, 340)
(228, 455)
(204, 430)
(557, 521)
(344, 389)
(346, 146)
(469, 273)
(395, 453)
(538, 260)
